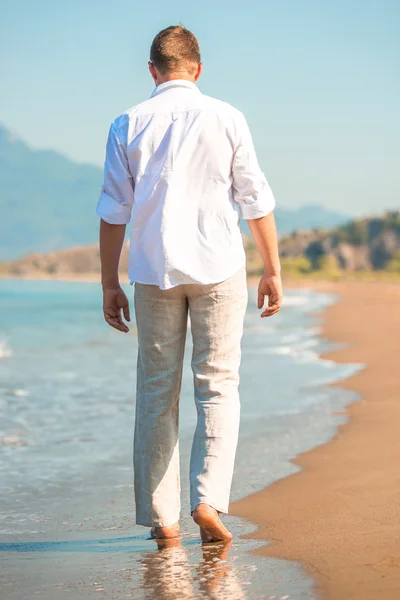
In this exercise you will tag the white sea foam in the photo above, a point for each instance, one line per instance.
(122, 485)
(307, 356)
(19, 393)
(281, 350)
(301, 352)
(295, 300)
(12, 440)
(5, 350)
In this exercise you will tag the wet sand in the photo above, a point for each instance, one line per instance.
(340, 514)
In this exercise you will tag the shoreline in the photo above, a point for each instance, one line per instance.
(64, 277)
(339, 516)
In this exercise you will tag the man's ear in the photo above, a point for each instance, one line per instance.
(199, 71)
(153, 72)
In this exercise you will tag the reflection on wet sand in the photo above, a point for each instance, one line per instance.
(167, 574)
(216, 577)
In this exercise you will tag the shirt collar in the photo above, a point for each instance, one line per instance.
(174, 83)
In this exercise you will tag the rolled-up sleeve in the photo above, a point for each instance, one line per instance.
(115, 202)
(251, 189)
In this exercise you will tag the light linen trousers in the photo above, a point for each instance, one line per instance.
(216, 314)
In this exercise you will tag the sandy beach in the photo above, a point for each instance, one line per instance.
(338, 517)
(67, 519)
(340, 514)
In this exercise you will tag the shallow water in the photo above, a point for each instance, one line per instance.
(66, 418)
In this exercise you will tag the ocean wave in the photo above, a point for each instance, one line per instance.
(19, 393)
(301, 349)
(299, 300)
(5, 350)
(280, 350)
(300, 335)
(12, 440)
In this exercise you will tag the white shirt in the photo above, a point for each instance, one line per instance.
(181, 167)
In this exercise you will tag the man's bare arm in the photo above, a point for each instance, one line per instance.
(114, 298)
(265, 236)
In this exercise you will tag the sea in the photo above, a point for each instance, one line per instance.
(67, 405)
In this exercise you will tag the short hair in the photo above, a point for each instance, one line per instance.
(175, 49)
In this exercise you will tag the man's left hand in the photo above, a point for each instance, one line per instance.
(115, 301)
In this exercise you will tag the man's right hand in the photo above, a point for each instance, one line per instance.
(115, 300)
(271, 286)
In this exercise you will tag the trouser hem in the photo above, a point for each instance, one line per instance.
(223, 510)
(157, 522)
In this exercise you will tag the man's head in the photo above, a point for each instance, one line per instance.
(175, 54)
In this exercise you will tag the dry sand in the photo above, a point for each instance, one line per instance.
(340, 515)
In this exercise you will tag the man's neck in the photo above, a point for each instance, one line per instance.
(173, 76)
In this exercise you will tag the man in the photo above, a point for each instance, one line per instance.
(182, 167)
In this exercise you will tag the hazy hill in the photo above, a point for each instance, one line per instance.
(309, 216)
(47, 202)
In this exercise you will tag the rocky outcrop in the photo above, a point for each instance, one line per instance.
(383, 248)
(359, 245)
(352, 258)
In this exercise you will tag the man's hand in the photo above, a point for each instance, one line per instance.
(115, 300)
(265, 236)
(271, 286)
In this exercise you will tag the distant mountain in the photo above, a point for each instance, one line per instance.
(308, 217)
(47, 202)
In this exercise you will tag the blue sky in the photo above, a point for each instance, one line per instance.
(318, 81)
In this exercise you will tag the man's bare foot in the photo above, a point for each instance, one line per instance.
(159, 533)
(211, 527)
(205, 536)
